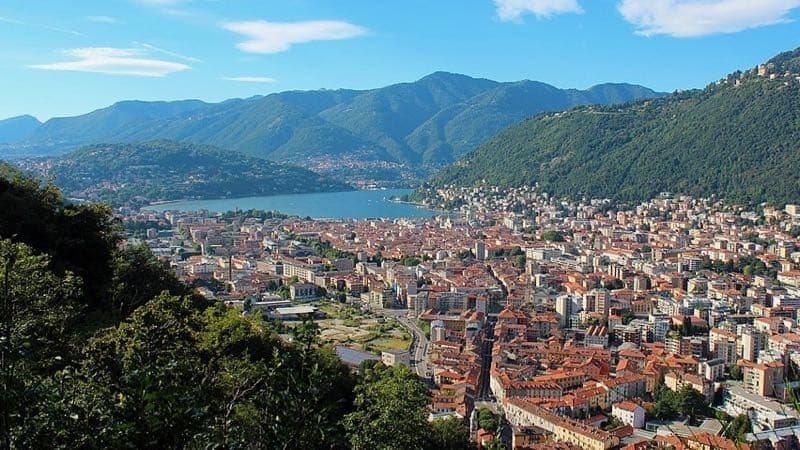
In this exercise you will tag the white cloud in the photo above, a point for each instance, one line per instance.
(167, 52)
(275, 37)
(40, 25)
(251, 79)
(114, 61)
(102, 19)
(513, 10)
(12, 21)
(160, 2)
(689, 18)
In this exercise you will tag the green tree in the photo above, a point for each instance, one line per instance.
(449, 434)
(390, 411)
(552, 236)
(137, 277)
(486, 419)
(39, 312)
(738, 428)
(735, 372)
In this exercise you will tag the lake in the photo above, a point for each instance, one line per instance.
(326, 205)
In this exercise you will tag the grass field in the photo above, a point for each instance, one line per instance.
(361, 330)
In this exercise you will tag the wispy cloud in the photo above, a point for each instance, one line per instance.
(274, 37)
(12, 21)
(103, 19)
(167, 52)
(114, 61)
(41, 26)
(161, 2)
(690, 18)
(251, 79)
(513, 10)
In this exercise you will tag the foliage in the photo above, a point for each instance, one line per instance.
(486, 419)
(390, 411)
(686, 402)
(746, 150)
(449, 434)
(738, 428)
(552, 236)
(138, 276)
(158, 366)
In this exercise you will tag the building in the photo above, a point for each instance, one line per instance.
(303, 291)
(629, 413)
(712, 369)
(764, 413)
(522, 413)
(765, 380)
(480, 251)
(395, 357)
(676, 381)
(596, 336)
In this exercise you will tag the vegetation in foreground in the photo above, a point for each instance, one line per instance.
(103, 348)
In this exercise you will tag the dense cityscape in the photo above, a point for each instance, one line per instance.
(580, 323)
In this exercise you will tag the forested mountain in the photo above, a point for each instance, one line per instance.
(17, 128)
(738, 139)
(167, 170)
(102, 347)
(427, 122)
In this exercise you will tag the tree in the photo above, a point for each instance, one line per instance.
(735, 372)
(138, 277)
(486, 419)
(175, 375)
(390, 411)
(738, 428)
(39, 313)
(691, 402)
(553, 236)
(449, 434)
(494, 444)
(520, 262)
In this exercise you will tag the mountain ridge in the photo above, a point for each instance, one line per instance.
(737, 138)
(404, 124)
(18, 128)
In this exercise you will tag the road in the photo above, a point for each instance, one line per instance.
(419, 343)
(484, 390)
(419, 347)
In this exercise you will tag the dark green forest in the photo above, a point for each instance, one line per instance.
(739, 142)
(103, 348)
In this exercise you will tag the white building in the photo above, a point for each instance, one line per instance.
(629, 413)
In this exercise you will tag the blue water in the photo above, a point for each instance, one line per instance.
(328, 205)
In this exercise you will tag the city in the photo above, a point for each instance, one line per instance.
(416, 225)
(568, 319)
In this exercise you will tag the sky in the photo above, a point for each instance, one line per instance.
(68, 57)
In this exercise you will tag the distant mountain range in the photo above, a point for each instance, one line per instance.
(403, 128)
(164, 170)
(17, 128)
(738, 138)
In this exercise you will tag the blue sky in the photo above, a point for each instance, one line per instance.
(60, 57)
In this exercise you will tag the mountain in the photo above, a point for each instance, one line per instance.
(166, 170)
(406, 127)
(17, 128)
(738, 138)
